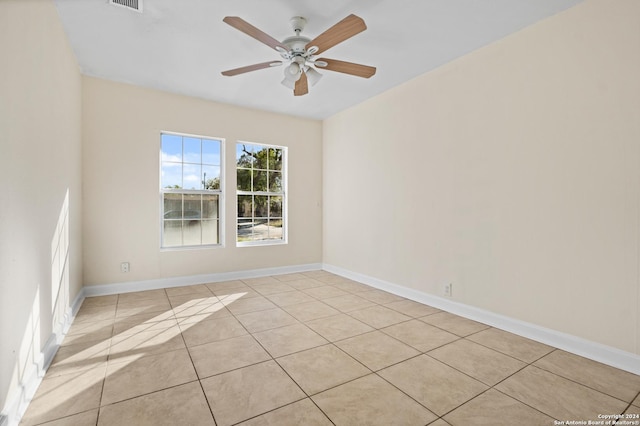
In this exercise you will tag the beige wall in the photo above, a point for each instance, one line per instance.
(512, 173)
(40, 122)
(121, 143)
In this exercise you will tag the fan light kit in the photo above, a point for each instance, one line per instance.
(299, 52)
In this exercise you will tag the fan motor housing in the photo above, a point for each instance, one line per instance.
(296, 44)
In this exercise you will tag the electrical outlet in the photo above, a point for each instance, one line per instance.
(124, 267)
(448, 289)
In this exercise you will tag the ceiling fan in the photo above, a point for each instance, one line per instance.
(299, 53)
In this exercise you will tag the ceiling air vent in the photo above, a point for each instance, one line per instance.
(129, 4)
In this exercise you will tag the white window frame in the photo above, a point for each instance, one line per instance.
(219, 193)
(285, 178)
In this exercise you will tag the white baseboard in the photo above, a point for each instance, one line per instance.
(128, 287)
(592, 350)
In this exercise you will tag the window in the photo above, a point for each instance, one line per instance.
(190, 189)
(261, 194)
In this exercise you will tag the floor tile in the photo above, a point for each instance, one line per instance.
(211, 330)
(225, 286)
(411, 308)
(145, 317)
(241, 394)
(379, 296)
(310, 310)
(265, 320)
(423, 337)
(317, 273)
(439, 422)
(65, 395)
(147, 374)
(479, 362)
(133, 345)
(76, 358)
(139, 296)
(331, 278)
(493, 408)
(210, 306)
(454, 324)
(351, 286)
(290, 298)
(321, 368)
(301, 413)
(612, 381)
(324, 292)
(253, 304)
(251, 282)
(273, 288)
(303, 283)
(189, 289)
(371, 401)
(135, 358)
(100, 300)
(95, 313)
(510, 344)
(348, 303)
(376, 350)
(558, 397)
(226, 355)
(137, 308)
(435, 385)
(286, 340)
(289, 277)
(237, 294)
(338, 327)
(88, 331)
(81, 419)
(379, 316)
(180, 405)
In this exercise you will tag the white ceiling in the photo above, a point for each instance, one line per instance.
(181, 46)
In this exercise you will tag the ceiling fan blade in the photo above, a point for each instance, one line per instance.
(302, 88)
(250, 68)
(242, 25)
(358, 70)
(343, 30)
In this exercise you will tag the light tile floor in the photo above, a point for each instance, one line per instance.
(310, 349)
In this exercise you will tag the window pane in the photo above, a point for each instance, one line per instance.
(275, 159)
(172, 233)
(260, 229)
(261, 158)
(245, 206)
(191, 176)
(245, 229)
(172, 175)
(209, 232)
(275, 229)
(192, 153)
(211, 177)
(211, 152)
(244, 156)
(172, 206)
(192, 206)
(260, 181)
(244, 180)
(275, 207)
(261, 206)
(209, 206)
(172, 148)
(191, 233)
(275, 181)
